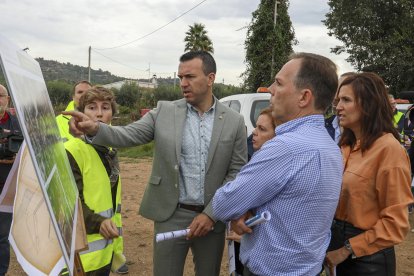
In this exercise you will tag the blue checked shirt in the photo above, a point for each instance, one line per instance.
(194, 152)
(297, 177)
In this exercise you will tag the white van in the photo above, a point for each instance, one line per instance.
(249, 105)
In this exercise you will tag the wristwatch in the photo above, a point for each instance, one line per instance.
(348, 247)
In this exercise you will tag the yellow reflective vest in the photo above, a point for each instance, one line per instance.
(62, 122)
(98, 197)
(397, 118)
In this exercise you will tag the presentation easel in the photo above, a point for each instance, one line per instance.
(81, 242)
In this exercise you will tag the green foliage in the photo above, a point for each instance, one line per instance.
(222, 90)
(146, 150)
(265, 38)
(128, 94)
(378, 36)
(2, 79)
(59, 107)
(150, 98)
(196, 39)
(54, 70)
(167, 93)
(60, 92)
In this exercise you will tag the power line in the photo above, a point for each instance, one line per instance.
(156, 30)
(244, 27)
(116, 61)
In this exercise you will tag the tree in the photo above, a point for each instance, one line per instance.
(129, 94)
(196, 39)
(263, 39)
(60, 92)
(378, 36)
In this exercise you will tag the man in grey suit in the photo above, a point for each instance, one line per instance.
(200, 144)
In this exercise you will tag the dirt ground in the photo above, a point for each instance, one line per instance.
(138, 231)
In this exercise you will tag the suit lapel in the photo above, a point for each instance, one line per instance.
(179, 121)
(219, 119)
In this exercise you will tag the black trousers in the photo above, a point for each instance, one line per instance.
(381, 263)
(5, 223)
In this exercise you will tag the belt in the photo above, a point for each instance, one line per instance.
(343, 224)
(347, 226)
(194, 208)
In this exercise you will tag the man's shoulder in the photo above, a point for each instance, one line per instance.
(173, 104)
(14, 120)
(221, 108)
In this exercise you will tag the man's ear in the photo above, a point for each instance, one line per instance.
(211, 78)
(305, 98)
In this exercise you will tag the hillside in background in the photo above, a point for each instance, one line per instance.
(54, 70)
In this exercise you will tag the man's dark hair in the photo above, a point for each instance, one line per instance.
(79, 82)
(318, 74)
(377, 118)
(209, 64)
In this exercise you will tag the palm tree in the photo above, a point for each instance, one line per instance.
(196, 39)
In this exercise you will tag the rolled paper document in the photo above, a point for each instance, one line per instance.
(259, 218)
(171, 235)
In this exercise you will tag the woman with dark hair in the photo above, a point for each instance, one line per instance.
(371, 216)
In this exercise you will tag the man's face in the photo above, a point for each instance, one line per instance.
(79, 90)
(393, 104)
(283, 101)
(4, 101)
(195, 85)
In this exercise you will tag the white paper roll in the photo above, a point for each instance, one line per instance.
(171, 235)
(259, 218)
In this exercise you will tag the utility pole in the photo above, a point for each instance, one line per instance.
(272, 71)
(149, 74)
(175, 80)
(89, 64)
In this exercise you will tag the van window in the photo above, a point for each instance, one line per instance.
(235, 105)
(257, 107)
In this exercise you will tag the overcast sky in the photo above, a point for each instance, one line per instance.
(63, 31)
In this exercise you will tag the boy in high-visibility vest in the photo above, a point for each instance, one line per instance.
(96, 172)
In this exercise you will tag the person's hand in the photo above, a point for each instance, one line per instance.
(335, 257)
(108, 229)
(239, 225)
(407, 141)
(200, 226)
(81, 124)
(232, 236)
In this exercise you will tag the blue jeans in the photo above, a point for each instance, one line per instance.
(5, 222)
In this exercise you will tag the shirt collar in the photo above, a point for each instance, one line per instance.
(316, 120)
(211, 109)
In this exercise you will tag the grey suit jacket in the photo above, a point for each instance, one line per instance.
(227, 153)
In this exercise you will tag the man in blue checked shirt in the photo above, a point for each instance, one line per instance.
(296, 176)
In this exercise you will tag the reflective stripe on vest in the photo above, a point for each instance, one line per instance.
(107, 214)
(118, 208)
(96, 245)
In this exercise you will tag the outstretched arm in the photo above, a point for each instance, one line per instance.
(81, 124)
